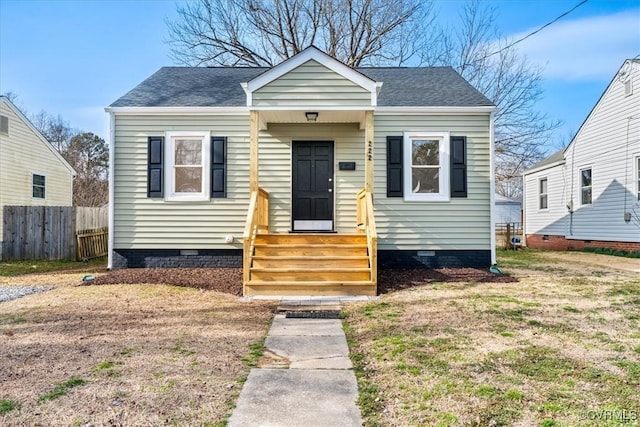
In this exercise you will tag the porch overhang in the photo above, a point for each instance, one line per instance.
(299, 116)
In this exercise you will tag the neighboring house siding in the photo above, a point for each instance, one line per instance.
(553, 220)
(459, 224)
(23, 153)
(300, 87)
(608, 143)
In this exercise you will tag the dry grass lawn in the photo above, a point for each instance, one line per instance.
(561, 347)
(123, 355)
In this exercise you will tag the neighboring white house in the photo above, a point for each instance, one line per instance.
(306, 173)
(32, 172)
(588, 195)
(507, 210)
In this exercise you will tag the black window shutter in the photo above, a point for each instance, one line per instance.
(458, 166)
(155, 167)
(394, 166)
(218, 166)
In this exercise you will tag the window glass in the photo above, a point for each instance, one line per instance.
(188, 166)
(188, 176)
(39, 182)
(543, 194)
(585, 179)
(427, 166)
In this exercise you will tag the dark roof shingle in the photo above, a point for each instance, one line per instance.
(220, 86)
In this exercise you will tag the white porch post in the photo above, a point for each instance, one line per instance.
(253, 150)
(369, 143)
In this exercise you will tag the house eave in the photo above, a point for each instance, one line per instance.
(435, 110)
(178, 110)
(544, 167)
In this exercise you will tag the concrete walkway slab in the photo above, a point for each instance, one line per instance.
(318, 389)
(305, 327)
(310, 398)
(319, 352)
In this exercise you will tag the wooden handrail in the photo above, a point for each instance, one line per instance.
(366, 223)
(257, 219)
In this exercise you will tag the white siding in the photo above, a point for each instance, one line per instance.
(311, 85)
(608, 142)
(553, 220)
(23, 153)
(461, 223)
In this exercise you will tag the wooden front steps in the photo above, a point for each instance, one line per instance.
(310, 264)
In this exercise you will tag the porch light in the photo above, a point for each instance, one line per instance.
(312, 116)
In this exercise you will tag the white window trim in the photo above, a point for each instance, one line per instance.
(172, 196)
(540, 194)
(580, 186)
(444, 194)
(636, 175)
(45, 186)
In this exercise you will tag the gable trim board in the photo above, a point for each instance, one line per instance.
(147, 225)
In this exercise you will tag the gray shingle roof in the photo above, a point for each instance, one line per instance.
(555, 157)
(220, 86)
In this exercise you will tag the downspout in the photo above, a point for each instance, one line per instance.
(112, 152)
(492, 186)
(523, 211)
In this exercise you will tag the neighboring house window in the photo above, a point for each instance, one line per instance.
(187, 173)
(426, 172)
(638, 176)
(628, 87)
(585, 186)
(39, 184)
(4, 124)
(544, 200)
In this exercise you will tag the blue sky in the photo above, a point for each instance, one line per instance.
(73, 57)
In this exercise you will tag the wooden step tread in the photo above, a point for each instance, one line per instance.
(309, 245)
(327, 269)
(312, 258)
(311, 283)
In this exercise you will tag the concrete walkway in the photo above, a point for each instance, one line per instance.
(305, 376)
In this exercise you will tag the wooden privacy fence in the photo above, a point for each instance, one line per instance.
(51, 232)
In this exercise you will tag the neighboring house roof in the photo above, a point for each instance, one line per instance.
(553, 160)
(503, 200)
(221, 87)
(39, 135)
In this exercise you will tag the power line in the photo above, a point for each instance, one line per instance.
(536, 31)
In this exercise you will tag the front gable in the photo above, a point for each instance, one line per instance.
(311, 79)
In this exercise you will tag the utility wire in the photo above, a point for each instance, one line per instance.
(509, 46)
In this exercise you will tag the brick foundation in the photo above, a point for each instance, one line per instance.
(434, 259)
(560, 243)
(205, 258)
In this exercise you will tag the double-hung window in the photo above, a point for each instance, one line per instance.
(187, 175)
(586, 192)
(38, 186)
(426, 169)
(544, 198)
(638, 177)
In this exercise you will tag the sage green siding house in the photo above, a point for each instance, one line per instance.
(310, 175)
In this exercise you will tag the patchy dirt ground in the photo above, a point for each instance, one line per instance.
(229, 280)
(148, 355)
(560, 347)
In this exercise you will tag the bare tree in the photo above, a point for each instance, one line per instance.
(495, 68)
(266, 32)
(380, 32)
(89, 156)
(54, 128)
